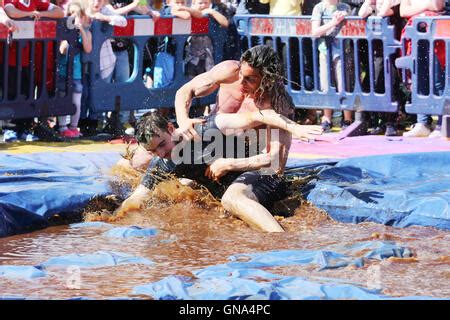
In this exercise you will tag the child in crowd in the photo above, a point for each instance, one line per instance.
(199, 49)
(417, 8)
(77, 10)
(337, 11)
(102, 11)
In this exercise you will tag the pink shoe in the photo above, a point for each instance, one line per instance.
(76, 132)
(69, 134)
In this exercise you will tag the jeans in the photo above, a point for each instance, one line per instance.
(122, 74)
(437, 90)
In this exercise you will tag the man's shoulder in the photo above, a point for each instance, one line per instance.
(231, 64)
(224, 72)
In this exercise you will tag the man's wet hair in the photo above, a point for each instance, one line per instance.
(151, 124)
(267, 62)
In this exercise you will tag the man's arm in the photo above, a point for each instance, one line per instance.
(220, 18)
(274, 159)
(318, 30)
(15, 13)
(134, 202)
(158, 170)
(366, 9)
(202, 85)
(407, 9)
(194, 13)
(53, 12)
(4, 19)
(229, 122)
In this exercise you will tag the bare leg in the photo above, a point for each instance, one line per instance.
(348, 115)
(240, 201)
(327, 115)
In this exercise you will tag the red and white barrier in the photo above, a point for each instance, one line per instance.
(31, 30)
(163, 26)
(301, 27)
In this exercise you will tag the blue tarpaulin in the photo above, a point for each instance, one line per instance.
(34, 187)
(95, 260)
(21, 272)
(240, 280)
(398, 190)
(181, 288)
(131, 232)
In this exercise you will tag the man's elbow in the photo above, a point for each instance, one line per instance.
(11, 13)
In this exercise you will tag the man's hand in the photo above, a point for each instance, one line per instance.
(208, 11)
(306, 132)
(186, 129)
(338, 17)
(133, 203)
(217, 169)
(101, 17)
(154, 14)
(12, 27)
(36, 15)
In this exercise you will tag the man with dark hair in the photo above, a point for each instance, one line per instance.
(253, 87)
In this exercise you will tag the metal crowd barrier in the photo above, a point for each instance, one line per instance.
(361, 43)
(428, 65)
(133, 94)
(28, 72)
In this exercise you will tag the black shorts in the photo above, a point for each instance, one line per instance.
(268, 189)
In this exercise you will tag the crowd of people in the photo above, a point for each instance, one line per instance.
(115, 55)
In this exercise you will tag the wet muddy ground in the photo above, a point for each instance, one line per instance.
(194, 235)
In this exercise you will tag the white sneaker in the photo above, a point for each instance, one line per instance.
(419, 130)
(129, 131)
(436, 133)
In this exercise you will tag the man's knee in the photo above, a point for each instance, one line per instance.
(236, 192)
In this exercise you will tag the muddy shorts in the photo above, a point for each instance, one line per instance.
(268, 189)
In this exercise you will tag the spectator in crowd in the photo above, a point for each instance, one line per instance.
(36, 9)
(9, 23)
(199, 49)
(337, 11)
(231, 50)
(416, 8)
(77, 10)
(383, 122)
(122, 47)
(102, 11)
